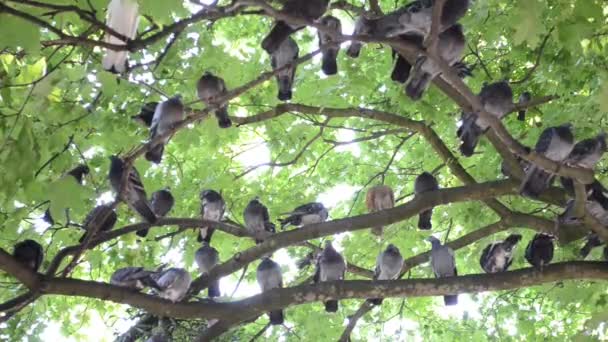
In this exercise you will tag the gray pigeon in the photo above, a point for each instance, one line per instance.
(132, 277)
(166, 116)
(134, 194)
(498, 256)
(102, 215)
(209, 88)
(146, 114)
(269, 277)
(569, 217)
(443, 264)
(207, 258)
(330, 54)
(29, 253)
(363, 26)
(162, 202)
(425, 182)
(388, 266)
(539, 251)
(554, 143)
(497, 100)
(172, 284)
(212, 208)
(586, 153)
(308, 213)
(330, 267)
(257, 220)
(523, 100)
(595, 191)
(285, 54)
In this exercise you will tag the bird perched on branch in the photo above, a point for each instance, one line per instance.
(586, 153)
(379, 197)
(123, 18)
(269, 277)
(132, 277)
(286, 53)
(524, 99)
(161, 203)
(146, 114)
(591, 241)
(302, 9)
(308, 213)
(417, 17)
(78, 173)
(443, 264)
(506, 170)
(595, 191)
(207, 258)
(497, 100)
(134, 193)
(257, 220)
(388, 266)
(554, 143)
(172, 284)
(498, 256)
(569, 217)
(402, 67)
(29, 253)
(425, 182)
(363, 26)
(330, 267)
(166, 116)
(330, 53)
(539, 251)
(102, 218)
(212, 209)
(210, 88)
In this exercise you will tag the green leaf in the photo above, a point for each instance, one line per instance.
(19, 33)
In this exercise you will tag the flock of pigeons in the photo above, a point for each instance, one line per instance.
(410, 23)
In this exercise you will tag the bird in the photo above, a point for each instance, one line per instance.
(330, 267)
(425, 182)
(498, 256)
(123, 18)
(302, 9)
(443, 264)
(416, 17)
(158, 337)
(539, 251)
(305, 214)
(210, 88)
(586, 153)
(286, 53)
(524, 99)
(402, 68)
(591, 241)
(505, 169)
(172, 284)
(161, 203)
(102, 218)
(78, 172)
(207, 258)
(449, 47)
(379, 197)
(388, 266)
(29, 253)
(554, 143)
(146, 114)
(595, 191)
(134, 193)
(257, 220)
(212, 209)
(569, 217)
(497, 100)
(269, 277)
(132, 277)
(363, 26)
(166, 116)
(329, 64)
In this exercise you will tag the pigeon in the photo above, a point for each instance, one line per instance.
(123, 18)
(102, 218)
(379, 197)
(450, 47)
(425, 182)
(416, 17)
(330, 267)
(172, 284)
(308, 213)
(78, 173)
(303, 9)
(286, 53)
(132, 277)
(497, 256)
(146, 114)
(586, 153)
(523, 100)
(443, 264)
(269, 277)
(166, 116)
(207, 258)
(162, 202)
(569, 217)
(554, 143)
(209, 88)
(330, 53)
(29, 253)
(257, 220)
(595, 191)
(388, 266)
(363, 26)
(592, 241)
(158, 337)
(212, 208)
(539, 251)
(134, 194)
(402, 68)
(524, 164)
(497, 100)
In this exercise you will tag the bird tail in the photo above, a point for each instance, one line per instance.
(331, 306)
(155, 154)
(521, 115)
(84, 236)
(305, 261)
(48, 218)
(417, 85)
(424, 219)
(285, 83)
(276, 317)
(222, 117)
(142, 232)
(401, 70)
(276, 36)
(115, 61)
(462, 69)
(329, 65)
(143, 208)
(285, 222)
(450, 300)
(150, 282)
(354, 49)
(469, 134)
(585, 250)
(214, 289)
(376, 301)
(208, 234)
(377, 230)
(536, 181)
(513, 239)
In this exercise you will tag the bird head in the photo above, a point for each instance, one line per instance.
(392, 248)
(433, 240)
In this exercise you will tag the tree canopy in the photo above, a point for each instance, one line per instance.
(336, 138)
